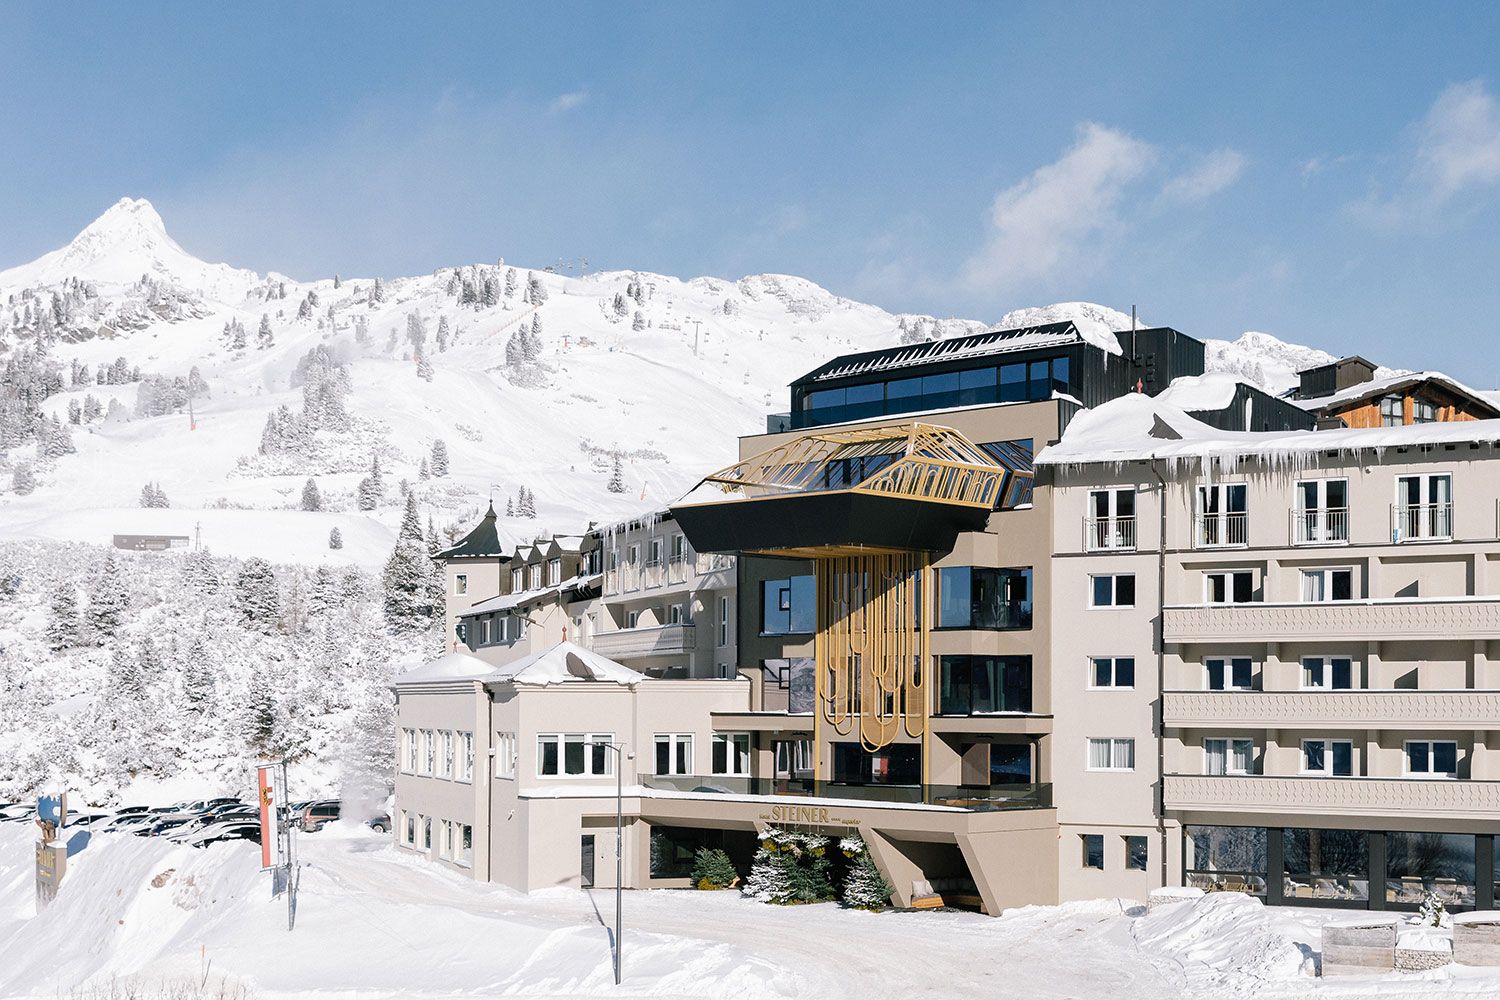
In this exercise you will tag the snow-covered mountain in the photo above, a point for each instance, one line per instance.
(528, 378)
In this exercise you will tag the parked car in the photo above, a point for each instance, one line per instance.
(319, 813)
(128, 823)
(380, 824)
(209, 805)
(216, 833)
(18, 812)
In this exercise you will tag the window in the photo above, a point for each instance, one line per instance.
(409, 751)
(462, 631)
(1112, 591)
(674, 753)
(1392, 411)
(484, 631)
(972, 685)
(573, 755)
(1112, 672)
(408, 829)
(1416, 862)
(1432, 758)
(1333, 758)
(1423, 411)
(679, 549)
(461, 583)
(1322, 513)
(554, 572)
(465, 770)
(793, 758)
(654, 559)
(674, 614)
(1016, 458)
(1424, 507)
(1229, 587)
(425, 825)
(787, 606)
(1320, 585)
(1222, 515)
(979, 597)
(1111, 754)
(1327, 672)
(723, 621)
(731, 753)
(1137, 852)
(505, 755)
(445, 759)
(1325, 864)
(1093, 850)
(1228, 756)
(516, 585)
(1228, 673)
(1111, 520)
(1225, 857)
(465, 855)
(535, 576)
(429, 753)
(445, 840)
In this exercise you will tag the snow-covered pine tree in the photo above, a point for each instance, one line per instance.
(407, 596)
(510, 282)
(439, 458)
(534, 286)
(712, 869)
(22, 479)
(62, 616)
(525, 503)
(312, 500)
(257, 598)
(533, 342)
(510, 508)
(335, 538)
(108, 600)
(424, 369)
(639, 322)
(75, 412)
(125, 680)
(773, 871)
(367, 494)
(443, 335)
(377, 292)
(197, 679)
(324, 596)
(616, 482)
(423, 473)
(864, 887)
(197, 385)
(91, 409)
(264, 338)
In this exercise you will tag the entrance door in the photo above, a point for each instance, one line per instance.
(586, 861)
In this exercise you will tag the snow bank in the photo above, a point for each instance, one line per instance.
(1210, 391)
(1229, 933)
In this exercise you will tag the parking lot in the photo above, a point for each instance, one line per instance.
(197, 823)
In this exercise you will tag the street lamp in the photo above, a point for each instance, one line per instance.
(622, 756)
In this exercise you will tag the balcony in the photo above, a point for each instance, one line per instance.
(1320, 526)
(1353, 621)
(657, 640)
(1109, 534)
(1227, 530)
(1405, 797)
(973, 798)
(1422, 522)
(1332, 710)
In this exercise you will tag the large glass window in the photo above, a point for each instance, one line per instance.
(1230, 858)
(1010, 764)
(1325, 864)
(1420, 863)
(861, 401)
(977, 386)
(787, 606)
(897, 764)
(674, 847)
(573, 755)
(980, 597)
(1016, 458)
(940, 391)
(971, 685)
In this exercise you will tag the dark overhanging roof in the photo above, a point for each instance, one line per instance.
(974, 345)
(482, 542)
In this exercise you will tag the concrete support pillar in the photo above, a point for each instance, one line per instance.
(898, 869)
(1372, 571)
(1370, 755)
(1372, 670)
(1273, 675)
(484, 783)
(1481, 573)
(1479, 756)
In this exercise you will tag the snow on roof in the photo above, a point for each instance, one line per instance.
(1136, 427)
(1378, 386)
(928, 352)
(565, 663)
(1209, 391)
(448, 667)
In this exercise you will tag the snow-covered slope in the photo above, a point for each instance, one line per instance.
(656, 373)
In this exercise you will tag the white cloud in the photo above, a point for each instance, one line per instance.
(1210, 175)
(567, 102)
(1062, 214)
(1456, 150)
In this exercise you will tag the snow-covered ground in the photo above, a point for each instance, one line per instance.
(373, 922)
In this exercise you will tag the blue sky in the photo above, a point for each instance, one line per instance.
(1329, 173)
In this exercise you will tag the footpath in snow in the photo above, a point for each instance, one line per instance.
(374, 922)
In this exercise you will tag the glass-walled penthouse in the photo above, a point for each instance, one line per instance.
(1002, 366)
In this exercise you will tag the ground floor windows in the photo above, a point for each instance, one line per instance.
(674, 753)
(1093, 850)
(673, 849)
(465, 852)
(425, 829)
(731, 753)
(1137, 852)
(1356, 868)
(408, 828)
(573, 754)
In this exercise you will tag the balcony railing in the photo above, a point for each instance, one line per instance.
(1320, 526)
(1221, 531)
(1109, 534)
(1334, 709)
(1354, 621)
(976, 798)
(1404, 797)
(1419, 522)
(656, 640)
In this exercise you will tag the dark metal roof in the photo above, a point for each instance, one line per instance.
(483, 542)
(974, 345)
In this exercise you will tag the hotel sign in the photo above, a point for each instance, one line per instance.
(806, 815)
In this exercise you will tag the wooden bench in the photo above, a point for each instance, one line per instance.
(958, 893)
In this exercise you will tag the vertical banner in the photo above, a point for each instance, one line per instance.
(270, 839)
